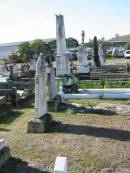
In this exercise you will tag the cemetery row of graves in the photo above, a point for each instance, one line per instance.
(71, 111)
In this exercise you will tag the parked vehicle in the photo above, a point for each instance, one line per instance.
(117, 52)
(127, 54)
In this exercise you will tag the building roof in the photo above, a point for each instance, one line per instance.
(123, 38)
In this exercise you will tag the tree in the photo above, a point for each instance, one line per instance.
(25, 51)
(71, 42)
(38, 46)
(15, 57)
(96, 57)
(127, 46)
(28, 49)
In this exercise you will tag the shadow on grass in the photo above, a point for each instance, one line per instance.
(4, 130)
(117, 134)
(8, 113)
(26, 103)
(15, 165)
(81, 109)
(9, 117)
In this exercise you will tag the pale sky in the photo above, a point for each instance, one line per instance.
(22, 20)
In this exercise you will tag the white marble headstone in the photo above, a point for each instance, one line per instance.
(82, 54)
(40, 90)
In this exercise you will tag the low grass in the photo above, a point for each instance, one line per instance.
(93, 102)
(91, 142)
(103, 84)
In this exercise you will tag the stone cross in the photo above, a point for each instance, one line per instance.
(40, 84)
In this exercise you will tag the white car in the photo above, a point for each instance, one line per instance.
(127, 54)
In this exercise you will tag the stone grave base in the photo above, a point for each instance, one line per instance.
(53, 105)
(4, 155)
(40, 125)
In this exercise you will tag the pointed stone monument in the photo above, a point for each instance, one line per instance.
(42, 119)
(62, 58)
(40, 84)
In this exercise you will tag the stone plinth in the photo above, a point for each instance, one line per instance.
(4, 152)
(4, 155)
(40, 125)
(53, 105)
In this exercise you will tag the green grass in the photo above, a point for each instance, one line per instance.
(87, 152)
(85, 165)
(103, 84)
(9, 117)
(69, 111)
(9, 114)
(93, 102)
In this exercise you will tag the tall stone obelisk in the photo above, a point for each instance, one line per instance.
(62, 58)
(62, 61)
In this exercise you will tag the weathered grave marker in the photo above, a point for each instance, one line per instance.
(4, 152)
(42, 119)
